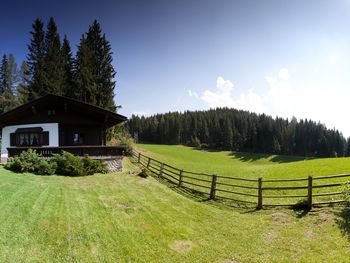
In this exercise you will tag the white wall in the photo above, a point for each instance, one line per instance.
(52, 128)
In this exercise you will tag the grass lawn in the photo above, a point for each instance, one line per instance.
(245, 164)
(121, 217)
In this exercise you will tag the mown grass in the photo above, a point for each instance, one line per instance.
(248, 165)
(245, 164)
(121, 217)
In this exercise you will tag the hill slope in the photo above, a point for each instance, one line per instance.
(124, 218)
(245, 164)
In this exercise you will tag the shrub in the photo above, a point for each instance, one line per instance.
(68, 164)
(346, 194)
(46, 167)
(94, 166)
(27, 161)
(62, 164)
(119, 135)
(144, 173)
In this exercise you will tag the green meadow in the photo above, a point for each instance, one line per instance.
(245, 165)
(121, 217)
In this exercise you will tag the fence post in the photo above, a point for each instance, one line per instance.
(309, 192)
(213, 187)
(161, 170)
(181, 178)
(149, 161)
(260, 193)
(139, 158)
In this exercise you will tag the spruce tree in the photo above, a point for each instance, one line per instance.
(102, 66)
(85, 79)
(22, 89)
(36, 60)
(8, 73)
(54, 68)
(3, 75)
(68, 62)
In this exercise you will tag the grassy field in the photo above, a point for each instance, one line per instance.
(252, 166)
(121, 217)
(245, 164)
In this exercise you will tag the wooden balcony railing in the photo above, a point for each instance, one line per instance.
(76, 150)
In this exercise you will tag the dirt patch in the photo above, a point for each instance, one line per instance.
(269, 237)
(324, 217)
(94, 249)
(181, 245)
(309, 234)
(279, 217)
(229, 261)
(123, 206)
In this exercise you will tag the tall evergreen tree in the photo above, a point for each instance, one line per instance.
(69, 85)
(36, 60)
(85, 78)
(22, 89)
(54, 68)
(8, 74)
(4, 79)
(101, 66)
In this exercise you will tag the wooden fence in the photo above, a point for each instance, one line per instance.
(258, 192)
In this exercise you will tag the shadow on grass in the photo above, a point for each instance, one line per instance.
(343, 221)
(251, 157)
(204, 198)
(301, 208)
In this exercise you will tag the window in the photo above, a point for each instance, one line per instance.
(26, 137)
(29, 139)
(78, 138)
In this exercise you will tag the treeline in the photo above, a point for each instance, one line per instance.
(237, 130)
(50, 67)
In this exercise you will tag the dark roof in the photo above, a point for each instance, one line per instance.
(111, 118)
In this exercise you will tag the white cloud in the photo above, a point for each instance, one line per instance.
(221, 96)
(193, 94)
(283, 74)
(318, 97)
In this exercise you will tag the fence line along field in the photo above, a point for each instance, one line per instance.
(307, 190)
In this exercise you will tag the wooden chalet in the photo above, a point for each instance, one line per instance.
(54, 123)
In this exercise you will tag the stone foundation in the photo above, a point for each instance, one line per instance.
(114, 164)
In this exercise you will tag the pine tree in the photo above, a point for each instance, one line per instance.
(13, 74)
(36, 60)
(102, 66)
(4, 84)
(54, 68)
(8, 73)
(69, 85)
(22, 89)
(85, 78)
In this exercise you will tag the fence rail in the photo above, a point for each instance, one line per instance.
(251, 191)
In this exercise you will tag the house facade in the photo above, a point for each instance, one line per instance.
(54, 123)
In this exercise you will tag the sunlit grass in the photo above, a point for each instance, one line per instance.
(124, 218)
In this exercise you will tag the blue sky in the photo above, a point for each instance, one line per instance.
(285, 58)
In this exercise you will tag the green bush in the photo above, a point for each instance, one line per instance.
(144, 173)
(27, 161)
(68, 164)
(61, 164)
(346, 194)
(46, 167)
(119, 135)
(94, 166)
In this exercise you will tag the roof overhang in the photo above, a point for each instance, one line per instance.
(110, 118)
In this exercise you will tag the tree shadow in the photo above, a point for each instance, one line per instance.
(252, 157)
(204, 198)
(343, 221)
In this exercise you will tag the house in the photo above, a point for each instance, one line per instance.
(54, 123)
